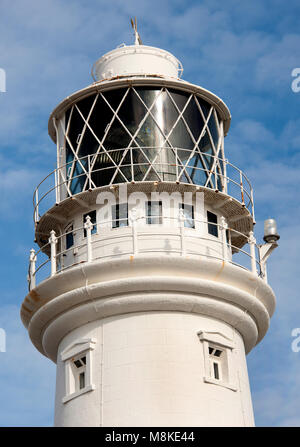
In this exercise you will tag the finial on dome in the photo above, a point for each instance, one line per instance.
(138, 40)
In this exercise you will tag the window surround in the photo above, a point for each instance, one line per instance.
(216, 340)
(79, 349)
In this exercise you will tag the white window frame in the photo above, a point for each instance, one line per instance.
(216, 340)
(79, 349)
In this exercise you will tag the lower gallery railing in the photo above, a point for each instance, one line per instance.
(178, 240)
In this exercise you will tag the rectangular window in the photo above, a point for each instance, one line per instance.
(77, 359)
(218, 366)
(81, 380)
(119, 215)
(92, 215)
(79, 372)
(212, 220)
(69, 236)
(216, 371)
(216, 357)
(188, 211)
(153, 212)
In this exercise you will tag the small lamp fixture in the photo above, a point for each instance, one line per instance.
(270, 231)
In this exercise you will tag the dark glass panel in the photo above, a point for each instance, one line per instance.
(100, 118)
(153, 212)
(103, 174)
(132, 112)
(195, 170)
(120, 215)
(150, 135)
(85, 105)
(180, 136)
(117, 136)
(78, 176)
(88, 145)
(193, 118)
(139, 172)
(205, 107)
(69, 237)
(180, 98)
(216, 371)
(212, 125)
(81, 380)
(212, 224)
(114, 97)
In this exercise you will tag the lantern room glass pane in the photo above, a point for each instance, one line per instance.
(140, 134)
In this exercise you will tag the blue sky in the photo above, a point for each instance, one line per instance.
(242, 51)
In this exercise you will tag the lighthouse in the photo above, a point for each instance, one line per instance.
(147, 288)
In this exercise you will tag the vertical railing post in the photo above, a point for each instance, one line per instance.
(133, 221)
(53, 242)
(252, 242)
(181, 219)
(242, 187)
(252, 205)
(88, 227)
(56, 187)
(224, 227)
(225, 182)
(32, 261)
(36, 205)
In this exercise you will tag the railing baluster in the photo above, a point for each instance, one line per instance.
(88, 227)
(133, 220)
(181, 218)
(32, 260)
(36, 205)
(53, 242)
(252, 242)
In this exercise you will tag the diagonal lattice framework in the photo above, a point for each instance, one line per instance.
(99, 163)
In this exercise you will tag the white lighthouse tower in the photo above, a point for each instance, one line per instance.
(148, 289)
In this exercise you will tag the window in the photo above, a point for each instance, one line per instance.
(212, 220)
(119, 215)
(69, 236)
(92, 215)
(218, 368)
(153, 212)
(188, 211)
(215, 358)
(79, 372)
(78, 368)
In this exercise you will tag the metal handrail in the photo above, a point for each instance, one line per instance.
(242, 182)
(56, 256)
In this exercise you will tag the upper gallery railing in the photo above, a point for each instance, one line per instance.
(90, 172)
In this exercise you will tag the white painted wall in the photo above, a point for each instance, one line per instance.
(110, 242)
(148, 370)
